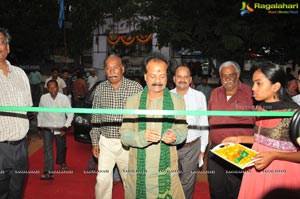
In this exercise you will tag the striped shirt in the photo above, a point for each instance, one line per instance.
(15, 91)
(106, 96)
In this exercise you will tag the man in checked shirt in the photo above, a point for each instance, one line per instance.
(105, 136)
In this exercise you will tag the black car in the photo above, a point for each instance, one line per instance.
(82, 122)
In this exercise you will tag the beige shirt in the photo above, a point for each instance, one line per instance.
(15, 91)
(131, 137)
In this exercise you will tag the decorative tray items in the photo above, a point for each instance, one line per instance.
(236, 154)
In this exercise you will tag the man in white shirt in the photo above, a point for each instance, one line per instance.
(61, 83)
(15, 91)
(191, 152)
(54, 124)
(92, 79)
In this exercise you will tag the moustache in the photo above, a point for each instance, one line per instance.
(110, 76)
(156, 84)
(228, 82)
(182, 82)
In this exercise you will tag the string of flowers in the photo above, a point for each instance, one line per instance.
(114, 39)
(143, 39)
(127, 40)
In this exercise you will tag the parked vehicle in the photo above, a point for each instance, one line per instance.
(82, 121)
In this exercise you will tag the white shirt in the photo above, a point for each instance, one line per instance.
(196, 100)
(91, 81)
(15, 91)
(296, 99)
(51, 119)
(60, 81)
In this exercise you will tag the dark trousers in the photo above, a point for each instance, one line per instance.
(224, 178)
(35, 93)
(13, 170)
(188, 160)
(61, 149)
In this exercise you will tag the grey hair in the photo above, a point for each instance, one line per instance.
(6, 34)
(115, 56)
(230, 63)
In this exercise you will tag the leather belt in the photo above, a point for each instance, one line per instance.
(191, 143)
(195, 127)
(13, 142)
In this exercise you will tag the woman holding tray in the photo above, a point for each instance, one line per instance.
(276, 173)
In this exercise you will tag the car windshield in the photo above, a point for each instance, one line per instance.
(90, 97)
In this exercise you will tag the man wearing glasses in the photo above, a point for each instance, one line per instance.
(15, 91)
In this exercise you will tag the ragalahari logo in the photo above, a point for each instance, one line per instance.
(246, 9)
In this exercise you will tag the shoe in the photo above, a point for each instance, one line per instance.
(91, 169)
(64, 167)
(46, 176)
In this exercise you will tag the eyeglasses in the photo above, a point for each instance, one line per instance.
(228, 76)
(3, 42)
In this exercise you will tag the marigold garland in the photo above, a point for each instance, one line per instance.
(114, 39)
(127, 40)
(143, 39)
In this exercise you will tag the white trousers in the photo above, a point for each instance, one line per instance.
(111, 153)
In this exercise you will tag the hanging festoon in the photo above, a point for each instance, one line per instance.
(127, 40)
(143, 39)
(113, 39)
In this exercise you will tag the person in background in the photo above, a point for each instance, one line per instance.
(92, 79)
(35, 79)
(296, 98)
(15, 91)
(292, 87)
(69, 84)
(298, 81)
(62, 87)
(152, 139)
(105, 134)
(278, 161)
(232, 95)
(54, 125)
(80, 91)
(204, 87)
(191, 152)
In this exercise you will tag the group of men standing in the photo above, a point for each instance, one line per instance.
(157, 155)
(164, 151)
(144, 147)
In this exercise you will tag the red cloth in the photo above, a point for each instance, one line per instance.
(225, 126)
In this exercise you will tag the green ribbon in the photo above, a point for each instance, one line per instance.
(145, 112)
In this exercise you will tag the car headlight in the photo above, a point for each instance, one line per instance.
(82, 120)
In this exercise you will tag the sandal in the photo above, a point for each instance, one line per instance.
(64, 167)
(46, 176)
